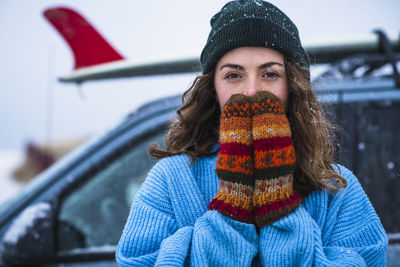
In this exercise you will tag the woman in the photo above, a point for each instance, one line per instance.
(247, 176)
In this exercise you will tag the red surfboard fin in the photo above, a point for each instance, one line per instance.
(87, 44)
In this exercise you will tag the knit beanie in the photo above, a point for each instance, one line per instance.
(251, 23)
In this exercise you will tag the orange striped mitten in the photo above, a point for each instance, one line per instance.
(274, 160)
(235, 161)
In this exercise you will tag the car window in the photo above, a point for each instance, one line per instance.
(93, 214)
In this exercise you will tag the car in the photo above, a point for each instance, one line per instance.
(74, 212)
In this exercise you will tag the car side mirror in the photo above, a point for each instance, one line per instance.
(30, 238)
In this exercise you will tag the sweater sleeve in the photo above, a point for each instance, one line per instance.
(152, 236)
(351, 234)
(221, 241)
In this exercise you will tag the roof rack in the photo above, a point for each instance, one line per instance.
(349, 67)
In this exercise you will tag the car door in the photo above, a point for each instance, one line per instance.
(93, 211)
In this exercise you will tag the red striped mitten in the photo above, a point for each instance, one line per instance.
(235, 161)
(274, 160)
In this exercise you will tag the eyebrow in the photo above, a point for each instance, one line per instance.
(263, 66)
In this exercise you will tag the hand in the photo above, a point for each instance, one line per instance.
(235, 161)
(274, 160)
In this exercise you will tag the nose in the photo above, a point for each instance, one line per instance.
(251, 87)
(250, 91)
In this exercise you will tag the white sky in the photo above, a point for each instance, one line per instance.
(32, 56)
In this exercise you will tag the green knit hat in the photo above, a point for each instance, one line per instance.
(251, 23)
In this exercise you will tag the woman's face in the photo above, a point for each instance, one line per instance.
(246, 70)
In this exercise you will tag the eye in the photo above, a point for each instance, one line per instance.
(271, 75)
(232, 76)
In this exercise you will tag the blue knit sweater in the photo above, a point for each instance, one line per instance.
(169, 224)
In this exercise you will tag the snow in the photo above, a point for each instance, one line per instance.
(100, 250)
(394, 237)
(25, 221)
(9, 159)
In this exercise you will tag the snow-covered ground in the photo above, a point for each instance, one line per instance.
(9, 159)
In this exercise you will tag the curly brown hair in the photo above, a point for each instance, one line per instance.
(196, 130)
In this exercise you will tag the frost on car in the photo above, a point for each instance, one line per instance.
(28, 236)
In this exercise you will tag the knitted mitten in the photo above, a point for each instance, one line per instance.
(274, 160)
(235, 161)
